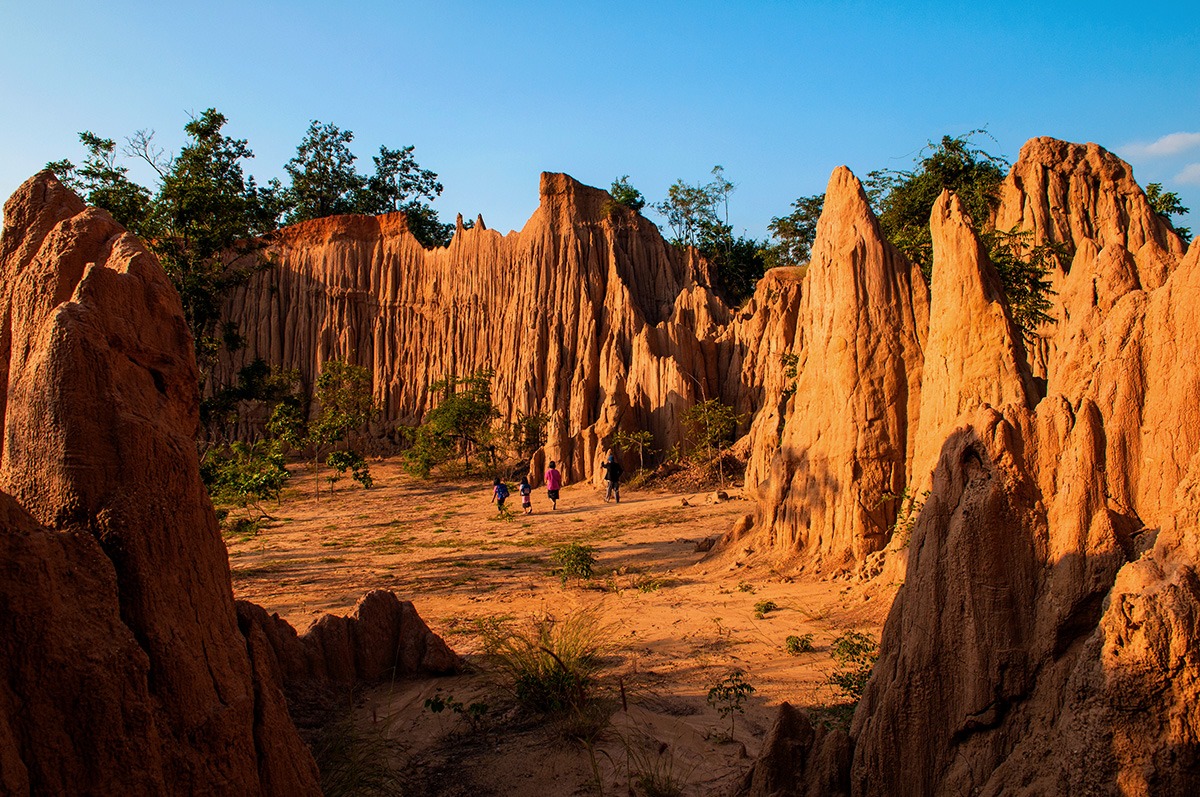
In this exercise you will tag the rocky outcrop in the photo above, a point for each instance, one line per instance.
(799, 759)
(123, 668)
(761, 345)
(384, 638)
(1047, 636)
(586, 314)
(1084, 198)
(845, 445)
(974, 356)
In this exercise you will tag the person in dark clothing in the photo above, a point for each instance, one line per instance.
(612, 478)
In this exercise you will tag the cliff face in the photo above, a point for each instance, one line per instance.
(122, 666)
(1052, 602)
(585, 314)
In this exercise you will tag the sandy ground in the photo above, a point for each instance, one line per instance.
(679, 622)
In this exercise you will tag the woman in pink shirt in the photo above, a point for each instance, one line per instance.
(553, 485)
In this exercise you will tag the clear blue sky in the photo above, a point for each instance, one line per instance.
(492, 93)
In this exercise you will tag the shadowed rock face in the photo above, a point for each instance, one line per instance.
(124, 668)
(586, 314)
(1047, 636)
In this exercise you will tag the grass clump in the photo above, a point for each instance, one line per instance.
(763, 608)
(652, 770)
(574, 561)
(357, 761)
(552, 664)
(796, 645)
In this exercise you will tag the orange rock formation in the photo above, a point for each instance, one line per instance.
(122, 667)
(586, 314)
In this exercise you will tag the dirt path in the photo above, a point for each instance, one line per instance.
(680, 621)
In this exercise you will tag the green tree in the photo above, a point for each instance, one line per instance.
(903, 200)
(323, 179)
(463, 418)
(698, 216)
(103, 182)
(345, 404)
(795, 233)
(400, 184)
(244, 474)
(1168, 204)
(710, 426)
(211, 223)
(529, 432)
(628, 441)
(623, 193)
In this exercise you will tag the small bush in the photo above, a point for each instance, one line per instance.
(574, 560)
(762, 608)
(796, 645)
(552, 663)
(728, 695)
(855, 654)
(475, 714)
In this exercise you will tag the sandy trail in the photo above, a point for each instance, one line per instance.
(681, 620)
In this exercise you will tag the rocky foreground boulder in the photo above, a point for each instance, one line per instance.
(122, 667)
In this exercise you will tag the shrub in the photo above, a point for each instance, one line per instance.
(728, 695)
(796, 645)
(552, 663)
(574, 560)
(855, 654)
(762, 608)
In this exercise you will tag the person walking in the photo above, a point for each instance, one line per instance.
(612, 478)
(553, 481)
(499, 494)
(526, 495)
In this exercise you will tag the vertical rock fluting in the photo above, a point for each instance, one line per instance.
(974, 356)
(586, 314)
(845, 446)
(99, 402)
(1047, 637)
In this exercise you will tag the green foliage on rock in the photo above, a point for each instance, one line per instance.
(623, 193)
(855, 654)
(903, 201)
(1168, 204)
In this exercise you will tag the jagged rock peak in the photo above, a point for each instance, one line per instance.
(974, 355)
(1067, 192)
(863, 318)
(99, 405)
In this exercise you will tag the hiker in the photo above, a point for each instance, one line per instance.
(553, 484)
(612, 478)
(526, 495)
(499, 494)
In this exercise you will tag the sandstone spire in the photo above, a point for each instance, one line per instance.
(974, 355)
(863, 319)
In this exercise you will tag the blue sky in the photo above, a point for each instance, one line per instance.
(493, 93)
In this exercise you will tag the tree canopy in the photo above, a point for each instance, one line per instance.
(1168, 204)
(324, 182)
(698, 216)
(903, 201)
